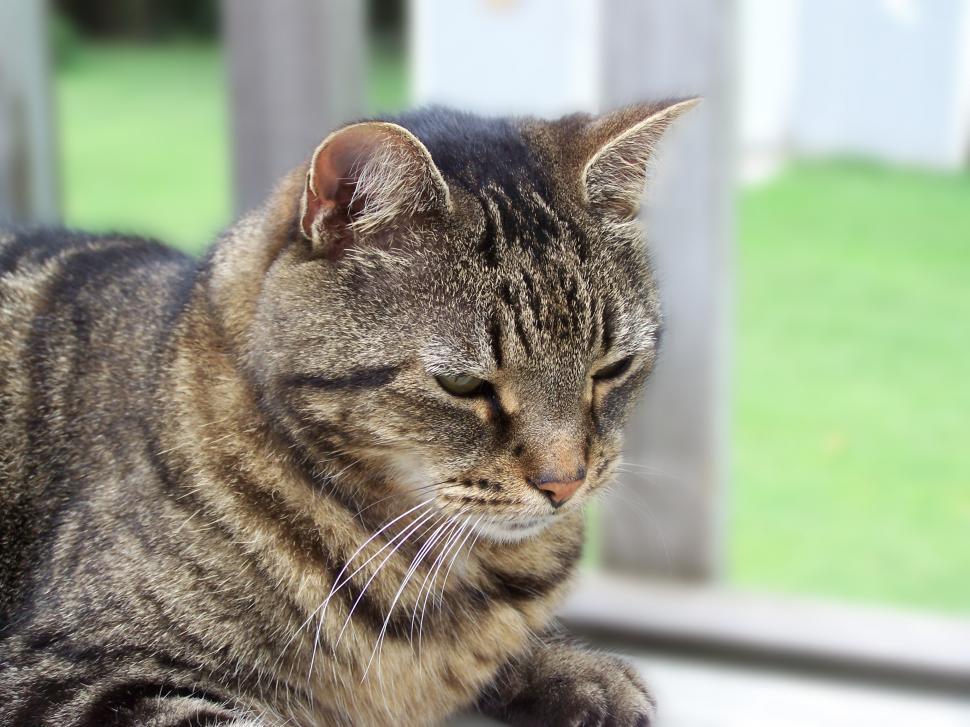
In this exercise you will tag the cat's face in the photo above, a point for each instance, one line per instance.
(480, 344)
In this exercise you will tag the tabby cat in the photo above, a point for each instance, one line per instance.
(333, 472)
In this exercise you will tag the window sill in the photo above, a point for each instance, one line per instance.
(885, 645)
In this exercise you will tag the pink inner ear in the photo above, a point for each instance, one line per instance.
(335, 178)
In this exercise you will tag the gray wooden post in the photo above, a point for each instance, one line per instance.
(674, 511)
(296, 70)
(29, 189)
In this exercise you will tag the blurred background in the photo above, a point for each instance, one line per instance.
(791, 541)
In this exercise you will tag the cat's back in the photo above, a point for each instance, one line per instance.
(92, 296)
(81, 317)
(48, 271)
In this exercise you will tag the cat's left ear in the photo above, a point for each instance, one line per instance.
(618, 147)
(362, 181)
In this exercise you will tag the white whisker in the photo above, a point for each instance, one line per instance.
(407, 577)
(453, 535)
(410, 531)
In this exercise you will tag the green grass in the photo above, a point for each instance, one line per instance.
(144, 141)
(388, 85)
(852, 416)
(144, 137)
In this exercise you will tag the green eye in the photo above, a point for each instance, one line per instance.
(461, 384)
(614, 370)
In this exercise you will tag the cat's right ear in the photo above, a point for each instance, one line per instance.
(364, 180)
(617, 148)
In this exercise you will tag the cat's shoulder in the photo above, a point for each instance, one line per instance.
(27, 249)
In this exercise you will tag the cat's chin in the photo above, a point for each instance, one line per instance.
(513, 531)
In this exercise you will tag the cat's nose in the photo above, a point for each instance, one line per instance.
(558, 488)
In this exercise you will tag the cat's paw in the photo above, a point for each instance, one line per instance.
(598, 691)
(573, 688)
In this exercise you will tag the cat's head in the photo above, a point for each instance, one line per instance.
(464, 308)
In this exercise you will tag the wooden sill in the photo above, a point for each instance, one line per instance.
(918, 650)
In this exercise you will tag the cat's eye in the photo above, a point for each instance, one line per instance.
(614, 370)
(461, 384)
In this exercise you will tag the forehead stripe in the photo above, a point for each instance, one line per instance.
(488, 246)
(533, 297)
(515, 308)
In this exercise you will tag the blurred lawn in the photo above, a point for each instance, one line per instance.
(144, 137)
(143, 141)
(852, 417)
(852, 431)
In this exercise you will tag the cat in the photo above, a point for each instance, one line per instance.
(333, 472)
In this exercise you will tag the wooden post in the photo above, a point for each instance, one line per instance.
(670, 518)
(296, 71)
(29, 189)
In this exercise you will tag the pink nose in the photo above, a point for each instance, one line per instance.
(559, 492)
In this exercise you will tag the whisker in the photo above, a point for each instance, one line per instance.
(454, 558)
(422, 489)
(422, 552)
(616, 496)
(411, 529)
(464, 531)
(406, 533)
(371, 538)
(337, 584)
(444, 583)
(657, 475)
(435, 568)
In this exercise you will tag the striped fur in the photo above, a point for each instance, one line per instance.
(232, 491)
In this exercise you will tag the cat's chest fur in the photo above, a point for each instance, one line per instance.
(381, 653)
(421, 680)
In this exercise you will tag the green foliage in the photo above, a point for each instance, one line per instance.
(142, 19)
(64, 39)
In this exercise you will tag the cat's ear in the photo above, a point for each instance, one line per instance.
(363, 180)
(618, 147)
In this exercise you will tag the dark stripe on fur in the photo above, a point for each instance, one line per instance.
(606, 327)
(505, 291)
(488, 244)
(118, 698)
(362, 378)
(533, 297)
(303, 540)
(495, 337)
(519, 586)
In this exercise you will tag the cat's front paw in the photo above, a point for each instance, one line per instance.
(596, 691)
(574, 688)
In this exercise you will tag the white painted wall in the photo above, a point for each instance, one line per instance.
(507, 56)
(888, 79)
(884, 78)
(767, 66)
